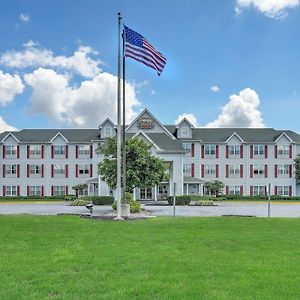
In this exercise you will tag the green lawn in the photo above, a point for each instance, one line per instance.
(183, 258)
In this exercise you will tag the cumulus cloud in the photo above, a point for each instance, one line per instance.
(5, 127)
(10, 86)
(80, 62)
(189, 116)
(215, 89)
(24, 17)
(271, 8)
(240, 111)
(83, 106)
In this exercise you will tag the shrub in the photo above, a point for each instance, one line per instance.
(135, 207)
(70, 197)
(180, 200)
(206, 198)
(204, 203)
(79, 202)
(99, 200)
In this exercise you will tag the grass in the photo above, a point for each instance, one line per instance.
(66, 257)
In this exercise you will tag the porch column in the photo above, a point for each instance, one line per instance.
(99, 185)
(199, 189)
(187, 188)
(155, 193)
(134, 194)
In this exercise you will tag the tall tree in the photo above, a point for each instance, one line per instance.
(297, 167)
(214, 187)
(142, 168)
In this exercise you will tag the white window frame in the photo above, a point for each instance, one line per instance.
(234, 169)
(210, 170)
(259, 190)
(11, 150)
(283, 190)
(35, 150)
(187, 169)
(210, 150)
(35, 169)
(259, 150)
(11, 190)
(234, 190)
(84, 170)
(59, 190)
(184, 131)
(283, 169)
(35, 190)
(283, 150)
(187, 146)
(234, 150)
(59, 150)
(84, 150)
(11, 169)
(107, 132)
(59, 169)
(258, 170)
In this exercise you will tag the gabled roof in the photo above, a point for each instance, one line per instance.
(7, 135)
(147, 138)
(107, 120)
(235, 134)
(61, 135)
(154, 118)
(185, 120)
(283, 134)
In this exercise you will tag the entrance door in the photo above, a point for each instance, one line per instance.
(163, 192)
(146, 194)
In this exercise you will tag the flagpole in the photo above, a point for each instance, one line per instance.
(124, 122)
(118, 189)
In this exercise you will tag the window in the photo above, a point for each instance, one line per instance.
(107, 132)
(210, 169)
(84, 149)
(258, 190)
(283, 190)
(210, 149)
(184, 131)
(11, 169)
(84, 169)
(145, 193)
(283, 149)
(234, 190)
(188, 147)
(35, 169)
(59, 190)
(234, 150)
(187, 169)
(11, 150)
(59, 150)
(11, 190)
(258, 169)
(35, 190)
(234, 169)
(59, 169)
(259, 149)
(283, 169)
(35, 150)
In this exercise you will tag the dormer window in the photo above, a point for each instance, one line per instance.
(107, 132)
(184, 131)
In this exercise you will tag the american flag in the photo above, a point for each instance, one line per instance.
(138, 48)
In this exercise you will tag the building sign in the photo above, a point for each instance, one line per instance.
(146, 123)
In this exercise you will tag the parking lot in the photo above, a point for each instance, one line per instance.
(220, 209)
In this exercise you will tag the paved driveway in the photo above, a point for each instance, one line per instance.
(222, 208)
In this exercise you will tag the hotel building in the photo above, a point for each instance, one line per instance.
(51, 161)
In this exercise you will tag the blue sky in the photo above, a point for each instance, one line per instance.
(58, 62)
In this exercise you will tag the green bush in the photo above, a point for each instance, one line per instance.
(26, 198)
(99, 200)
(70, 197)
(180, 200)
(204, 203)
(135, 207)
(206, 198)
(79, 202)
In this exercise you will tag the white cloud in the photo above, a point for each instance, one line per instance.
(84, 106)
(10, 86)
(215, 89)
(153, 92)
(271, 8)
(5, 127)
(24, 17)
(80, 62)
(189, 116)
(240, 111)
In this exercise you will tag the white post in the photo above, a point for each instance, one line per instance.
(155, 193)
(134, 194)
(99, 185)
(187, 188)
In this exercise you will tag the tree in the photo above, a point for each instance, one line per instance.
(214, 187)
(142, 168)
(297, 167)
(79, 189)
